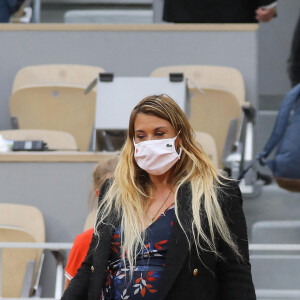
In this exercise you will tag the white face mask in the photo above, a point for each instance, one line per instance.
(156, 157)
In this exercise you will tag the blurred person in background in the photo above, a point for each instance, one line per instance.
(219, 11)
(8, 8)
(82, 241)
(294, 59)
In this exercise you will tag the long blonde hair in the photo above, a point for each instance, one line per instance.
(129, 195)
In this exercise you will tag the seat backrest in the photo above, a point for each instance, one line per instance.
(58, 140)
(19, 223)
(211, 112)
(215, 76)
(14, 261)
(208, 144)
(26, 217)
(276, 232)
(110, 16)
(75, 75)
(275, 271)
(63, 108)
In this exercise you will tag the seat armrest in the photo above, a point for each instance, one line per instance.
(28, 278)
(230, 141)
(249, 111)
(60, 257)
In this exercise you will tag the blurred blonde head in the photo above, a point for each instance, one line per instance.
(101, 172)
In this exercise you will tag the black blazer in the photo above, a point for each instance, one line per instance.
(294, 59)
(212, 11)
(186, 276)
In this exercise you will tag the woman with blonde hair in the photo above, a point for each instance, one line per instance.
(169, 226)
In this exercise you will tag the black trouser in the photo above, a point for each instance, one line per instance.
(7, 8)
(294, 60)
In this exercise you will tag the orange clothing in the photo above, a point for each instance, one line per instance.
(78, 252)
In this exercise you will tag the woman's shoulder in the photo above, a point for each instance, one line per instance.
(228, 188)
(230, 199)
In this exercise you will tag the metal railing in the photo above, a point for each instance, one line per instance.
(274, 247)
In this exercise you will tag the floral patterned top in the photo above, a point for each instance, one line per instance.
(149, 263)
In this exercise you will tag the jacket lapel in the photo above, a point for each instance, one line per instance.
(178, 246)
(101, 257)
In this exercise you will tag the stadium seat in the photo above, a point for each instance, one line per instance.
(61, 108)
(56, 140)
(211, 112)
(77, 75)
(20, 223)
(217, 96)
(110, 16)
(216, 77)
(52, 97)
(218, 107)
(208, 143)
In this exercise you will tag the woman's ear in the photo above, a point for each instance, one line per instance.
(178, 142)
(97, 192)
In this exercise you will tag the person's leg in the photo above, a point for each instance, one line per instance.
(5, 11)
(294, 60)
(7, 8)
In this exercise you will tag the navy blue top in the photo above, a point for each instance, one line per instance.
(149, 265)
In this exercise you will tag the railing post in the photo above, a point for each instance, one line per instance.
(36, 18)
(0, 273)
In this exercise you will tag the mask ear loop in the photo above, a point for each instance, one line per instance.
(180, 149)
(174, 138)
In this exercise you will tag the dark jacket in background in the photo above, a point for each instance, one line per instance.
(212, 11)
(294, 60)
(7, 8)
(186, 276)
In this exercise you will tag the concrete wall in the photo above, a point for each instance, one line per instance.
(275, 40)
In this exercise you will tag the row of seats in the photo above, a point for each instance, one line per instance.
(52, 97)
(275, 275)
